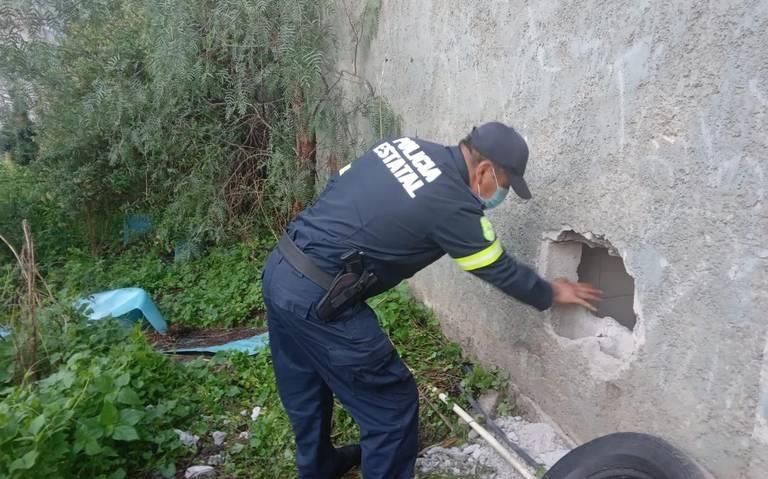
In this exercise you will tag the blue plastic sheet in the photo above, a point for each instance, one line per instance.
(250, 346)
(4, 332)
(128, 304)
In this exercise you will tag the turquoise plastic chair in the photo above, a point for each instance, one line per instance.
(127, 304)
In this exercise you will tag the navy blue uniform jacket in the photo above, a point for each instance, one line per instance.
(405, 203)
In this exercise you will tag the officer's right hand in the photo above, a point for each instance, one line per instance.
(568, 292)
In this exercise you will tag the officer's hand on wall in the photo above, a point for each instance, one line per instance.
(568, 292)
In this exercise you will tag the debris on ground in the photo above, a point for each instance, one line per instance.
(255, 413)
(180, 336)
(251, 346)
(478, 459)
(195, 342)
(186, 438)
(199, 472)
(218, 437)
(215, 460)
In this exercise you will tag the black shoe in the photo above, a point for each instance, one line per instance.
(347, 457)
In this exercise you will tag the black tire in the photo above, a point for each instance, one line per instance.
(625, 455)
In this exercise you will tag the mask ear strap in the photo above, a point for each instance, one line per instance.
(478, 181)
(493, 170)
(478, 185)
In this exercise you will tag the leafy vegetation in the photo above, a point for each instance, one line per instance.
(109, 403)
(208, 116)
(107, 409)
(222, 288)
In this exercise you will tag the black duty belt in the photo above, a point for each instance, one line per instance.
(348, 287)
(302, 263)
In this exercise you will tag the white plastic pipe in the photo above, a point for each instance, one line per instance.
(512, 460)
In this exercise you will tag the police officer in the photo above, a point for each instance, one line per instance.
(390, 213)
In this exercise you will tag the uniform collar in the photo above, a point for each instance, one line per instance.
(461, 165)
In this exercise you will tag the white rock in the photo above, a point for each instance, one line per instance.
(215, 460)
(471, 448)
(255, 413)
(218, 437)
(196, 472)
(244, 412)
(244, 435)
(186, 438)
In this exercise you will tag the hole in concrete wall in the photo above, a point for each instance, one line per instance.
(591, 258)
(607, 272)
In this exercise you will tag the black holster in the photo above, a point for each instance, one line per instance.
(347, 288)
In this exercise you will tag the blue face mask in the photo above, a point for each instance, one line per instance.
(498, 196)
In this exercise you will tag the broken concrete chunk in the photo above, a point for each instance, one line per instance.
(186, 438)
(197, 472)
(218, 437)
(245, 435)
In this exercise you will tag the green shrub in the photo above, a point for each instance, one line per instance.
(206, 115)
(109, 408)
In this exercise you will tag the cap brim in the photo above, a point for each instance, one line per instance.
(519, 186)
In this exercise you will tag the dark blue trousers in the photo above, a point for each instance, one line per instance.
(351, 358)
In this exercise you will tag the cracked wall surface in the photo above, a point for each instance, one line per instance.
(648, 126)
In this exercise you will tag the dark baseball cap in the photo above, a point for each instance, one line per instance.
(506, 148)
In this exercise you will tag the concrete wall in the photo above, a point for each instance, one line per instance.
(647, 122)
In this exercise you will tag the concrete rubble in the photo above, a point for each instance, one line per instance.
(186, 438)
(477, 459)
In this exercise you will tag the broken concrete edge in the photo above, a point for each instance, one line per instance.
(568, 233)
(610, 348)
(590, 239)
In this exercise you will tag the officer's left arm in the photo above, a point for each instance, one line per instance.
(468, 237)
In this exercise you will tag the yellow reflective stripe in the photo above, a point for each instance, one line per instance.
(481, 258)
(344, 170)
